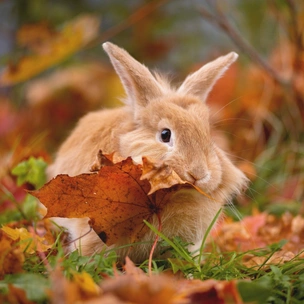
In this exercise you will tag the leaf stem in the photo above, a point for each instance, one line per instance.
(176, 247)
(154, 245)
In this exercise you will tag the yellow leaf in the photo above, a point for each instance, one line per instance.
(27, 242)
(12, 233)
(86, 283)
(11, 258)
(73, 37)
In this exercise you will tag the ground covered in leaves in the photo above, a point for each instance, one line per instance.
(257, 259)
(254, 254)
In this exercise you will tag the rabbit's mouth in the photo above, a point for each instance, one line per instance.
(203, 180)
(205, 183)
(207, 187)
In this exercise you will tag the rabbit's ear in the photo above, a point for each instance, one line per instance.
(140, 85)
(201, 82)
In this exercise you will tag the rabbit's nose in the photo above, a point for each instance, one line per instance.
(202, 178)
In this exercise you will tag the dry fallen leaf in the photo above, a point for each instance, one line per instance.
(136, 287)
(79, 290)
(116, 199)
(37, 37)
(259, 231)
(12, 257)
(160, 176)
(14, 296)
(73, 36)
(27, 241)
(209, 292)
(86, 283)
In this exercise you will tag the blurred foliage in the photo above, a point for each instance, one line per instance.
(257, 107)
(54, 71)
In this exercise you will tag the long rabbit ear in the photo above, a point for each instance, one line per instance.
(140, 85)
(201, 82)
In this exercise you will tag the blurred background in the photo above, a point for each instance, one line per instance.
(53, 71)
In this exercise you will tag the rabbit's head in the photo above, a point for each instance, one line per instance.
(171, 125)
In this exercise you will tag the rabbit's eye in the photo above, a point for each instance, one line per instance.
(165, 135)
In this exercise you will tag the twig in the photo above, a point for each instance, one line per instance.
(220, 20)
(294, 99)
(80, 237)
(296, 32)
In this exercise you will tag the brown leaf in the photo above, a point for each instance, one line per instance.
(116, 199)
(15, 296)
(102, 160)
(36, 37)
(79, 290)
(12, 257)
(136, 287)
(279, 257)
(160, 176)
(240, 236)
(131, 269)
(259, 231)
(209, 292)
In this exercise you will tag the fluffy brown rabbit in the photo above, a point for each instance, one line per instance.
(167, 125)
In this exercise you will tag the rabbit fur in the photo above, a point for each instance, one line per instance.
(135, 130)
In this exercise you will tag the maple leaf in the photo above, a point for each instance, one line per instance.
(117, 199)
(160, 176)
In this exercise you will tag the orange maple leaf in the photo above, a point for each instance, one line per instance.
(117, 199)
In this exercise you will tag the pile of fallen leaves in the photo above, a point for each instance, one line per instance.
(32, 249)
(258, 259)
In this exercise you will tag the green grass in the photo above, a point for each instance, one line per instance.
(265, 284)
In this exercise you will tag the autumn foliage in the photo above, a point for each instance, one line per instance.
(256, 113)
(116, 199)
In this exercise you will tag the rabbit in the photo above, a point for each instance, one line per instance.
(169, 125)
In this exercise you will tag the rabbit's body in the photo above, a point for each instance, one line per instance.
(166, 125)
(96, 131)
